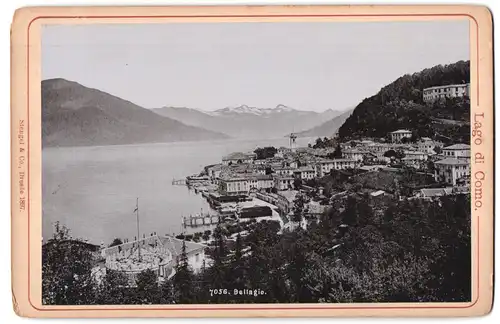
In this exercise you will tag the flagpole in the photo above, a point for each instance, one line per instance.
(138, 235)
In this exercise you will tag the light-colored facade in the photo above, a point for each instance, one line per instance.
(457, 151)
(416, 155)
(397, 136)
(305, 173)
(284, 171)
(451, 170)
(233, 186)
(260, 182)
(428, 145)
(324, 167)
(358, 155)
(283, 182)
(448, 91)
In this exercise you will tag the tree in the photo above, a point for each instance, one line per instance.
(298, 208)
(113, 289)
(237, 273)
(398, 154)
(265, 152)
(319, 143)
(297, 183)
(438, 149)
(337, 154)
(147, 290)
(414, 137)
(217, 272)
(67, 270)
(116, 241)
(182, 281)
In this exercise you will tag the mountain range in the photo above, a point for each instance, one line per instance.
(74, 115)
(250, 122)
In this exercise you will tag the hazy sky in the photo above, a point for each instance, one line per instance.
(309, 66)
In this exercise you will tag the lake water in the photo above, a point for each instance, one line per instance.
(93, 190)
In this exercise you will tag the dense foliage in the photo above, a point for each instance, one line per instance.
(364, 249)
(265, 152)
(400, 105)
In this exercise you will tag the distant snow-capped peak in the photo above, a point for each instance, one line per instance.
(244, 109)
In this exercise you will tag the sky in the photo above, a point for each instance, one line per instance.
(208, 66)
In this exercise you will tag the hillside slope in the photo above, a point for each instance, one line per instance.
(328, 128)
(74, 115)
(400, 105)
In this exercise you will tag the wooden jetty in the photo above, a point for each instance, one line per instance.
(200, 220)
(179, 182)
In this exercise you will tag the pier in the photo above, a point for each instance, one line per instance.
(178, 182)
(200, 220)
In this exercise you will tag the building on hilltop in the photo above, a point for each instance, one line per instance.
(447, 91)
(397, 136)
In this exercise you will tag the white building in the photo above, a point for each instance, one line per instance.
(233, 186)
(416, 155)
(324, 167)
(457, 151)
(448, 91)
(305, 173)
(451, 170)
(397, 136)
(284, 171)
(283, 182)
(427, 145)
(358, 155)
(260, 181)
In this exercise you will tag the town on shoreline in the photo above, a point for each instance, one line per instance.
(325, 191)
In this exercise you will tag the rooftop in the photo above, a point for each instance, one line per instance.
(459, 146)
(453, 161)
(435, 192)
(447, 86)
(237, 156)
(401, 131)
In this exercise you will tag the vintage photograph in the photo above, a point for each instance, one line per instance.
(256, 162)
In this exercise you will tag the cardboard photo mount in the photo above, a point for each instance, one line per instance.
(26, 153)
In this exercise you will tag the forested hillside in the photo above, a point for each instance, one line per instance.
(400, 105)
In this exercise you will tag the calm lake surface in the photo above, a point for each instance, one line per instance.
(93, 190)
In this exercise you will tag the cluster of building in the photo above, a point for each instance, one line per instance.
(239, 173)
